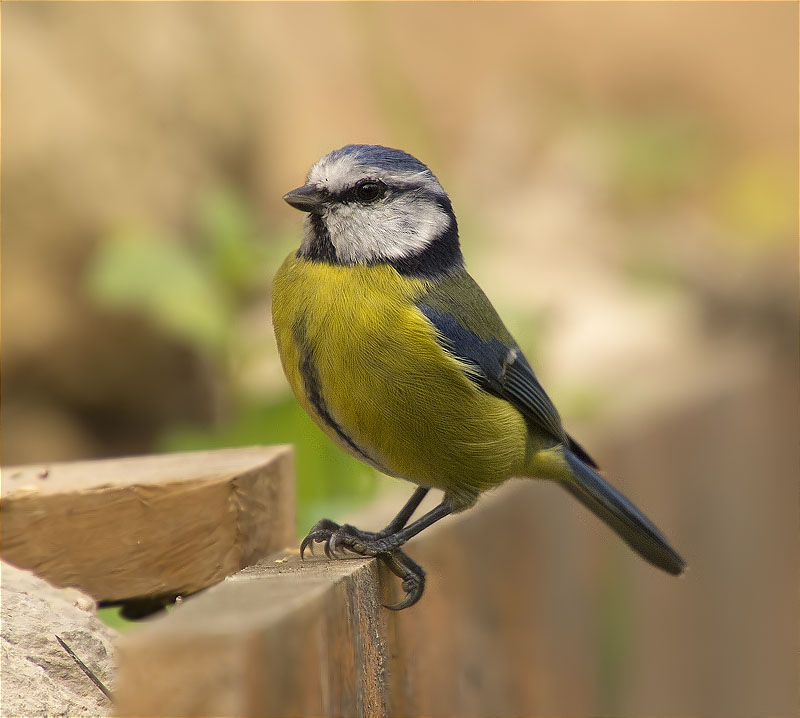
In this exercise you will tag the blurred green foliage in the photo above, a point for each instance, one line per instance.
(111, 616)
(191, 288)
(197, 289)
(142, 271)
(655, 158)
(328, 480)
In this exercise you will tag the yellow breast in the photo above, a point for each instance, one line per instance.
(364, 362)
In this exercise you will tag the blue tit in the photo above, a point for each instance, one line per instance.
(397, 355)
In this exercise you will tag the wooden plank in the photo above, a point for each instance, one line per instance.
(279, 639)
(144, 526)
(286, 637)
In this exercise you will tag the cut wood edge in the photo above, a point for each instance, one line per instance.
(153, 525)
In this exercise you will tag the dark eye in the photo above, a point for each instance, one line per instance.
(370, 190)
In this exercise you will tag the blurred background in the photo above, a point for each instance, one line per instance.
(625, 178)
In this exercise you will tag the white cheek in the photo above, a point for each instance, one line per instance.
(399, 229)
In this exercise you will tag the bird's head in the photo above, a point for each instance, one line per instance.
(369, 204)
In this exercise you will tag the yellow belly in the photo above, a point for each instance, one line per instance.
(381, 385)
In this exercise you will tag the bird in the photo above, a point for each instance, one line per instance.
(398, 356)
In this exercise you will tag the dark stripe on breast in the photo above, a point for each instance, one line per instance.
(321, 248)
(311, 384)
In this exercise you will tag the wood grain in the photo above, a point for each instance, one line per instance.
(281, 638)
(145, 526)
(286, 637)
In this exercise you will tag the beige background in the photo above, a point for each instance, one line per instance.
(625, 177)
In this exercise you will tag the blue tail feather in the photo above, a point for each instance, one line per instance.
(620, 514)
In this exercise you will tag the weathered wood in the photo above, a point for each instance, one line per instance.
(170, 524)
(277, 639)
(291, 638)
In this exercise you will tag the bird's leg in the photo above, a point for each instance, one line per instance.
(322, 530)
(399, 521)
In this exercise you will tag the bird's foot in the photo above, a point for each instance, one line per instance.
(413, 575)
(338, 539)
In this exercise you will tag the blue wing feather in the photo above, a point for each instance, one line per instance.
(499, 366)
(499, 369)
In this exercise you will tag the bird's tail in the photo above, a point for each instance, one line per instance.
(621, 515)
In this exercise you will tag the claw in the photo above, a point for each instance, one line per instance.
(307, 542)
(334, 544)
(413, 589)
(342, 541)
(321, 532)
(402, 565)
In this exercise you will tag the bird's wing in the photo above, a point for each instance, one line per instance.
(470, 329)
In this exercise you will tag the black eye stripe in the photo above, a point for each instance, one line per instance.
(353, 194)
(418, 190)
